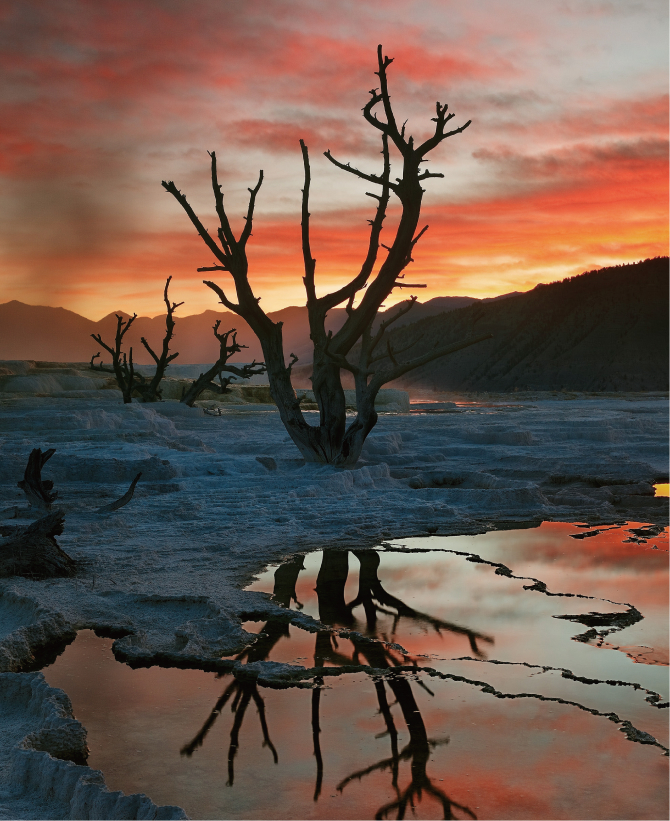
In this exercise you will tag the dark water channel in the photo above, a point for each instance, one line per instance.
(500, 698)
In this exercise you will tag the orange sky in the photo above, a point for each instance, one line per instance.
(564, 168)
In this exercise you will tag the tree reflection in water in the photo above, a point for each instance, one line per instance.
(243, 692)
(335, 611)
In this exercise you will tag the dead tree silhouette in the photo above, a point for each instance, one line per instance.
(334, 610)
(417, 752)
(243, 693)
(128, 379)
(205, 382)
(332, 441)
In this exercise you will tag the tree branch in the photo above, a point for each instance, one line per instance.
(290, 365)
(123, 500)
(100, 364)
(219, 292)
(391, 128)
(387, 322)
(226, 236)
(348, 291)
(348, 167)
(440, 120)
(213, 268)
(309, 261)
(171, 188)
(246, 233)
(394, 373)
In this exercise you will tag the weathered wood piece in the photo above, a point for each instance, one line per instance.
(127, 496)
(38, 490)
(33, 551)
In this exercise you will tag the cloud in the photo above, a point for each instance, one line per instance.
(100, 101)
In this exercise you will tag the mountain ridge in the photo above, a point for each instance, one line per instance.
(44, 333)
(604, 330)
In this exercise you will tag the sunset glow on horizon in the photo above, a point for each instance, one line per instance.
(563, 170)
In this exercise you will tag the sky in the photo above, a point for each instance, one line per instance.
(564, 168)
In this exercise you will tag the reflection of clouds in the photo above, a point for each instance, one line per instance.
(451, 588)
(548, 544)
(505, 757)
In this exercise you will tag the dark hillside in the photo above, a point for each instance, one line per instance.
(604, 330)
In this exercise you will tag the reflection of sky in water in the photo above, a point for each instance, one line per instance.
(471, 595)
(506, 757)
(521, 759)
(520, 622)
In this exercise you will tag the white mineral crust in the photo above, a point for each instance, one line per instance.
(207, 515)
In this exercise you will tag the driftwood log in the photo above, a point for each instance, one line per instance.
(123, 500)
(33, 551)
(39, 491)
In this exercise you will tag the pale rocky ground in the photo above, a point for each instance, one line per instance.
(223, 496)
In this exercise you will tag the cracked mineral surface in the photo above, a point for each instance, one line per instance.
(543, 650)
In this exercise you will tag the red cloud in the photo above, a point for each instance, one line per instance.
(105, 99)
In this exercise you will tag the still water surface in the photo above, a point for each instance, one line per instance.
(474, 738)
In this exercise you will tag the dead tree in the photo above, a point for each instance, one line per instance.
(152, 392)
(331, 440)
(122, 366)
(128, 379)
(205, 382)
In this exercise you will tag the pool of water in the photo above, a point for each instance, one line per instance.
(493, 704)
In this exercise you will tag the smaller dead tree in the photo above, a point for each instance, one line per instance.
(128, 379)
(152, 393)
(122, 366)
(205, 382)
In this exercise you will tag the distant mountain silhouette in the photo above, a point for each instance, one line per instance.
(438, 305)
(605, 330)
(56, 334)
